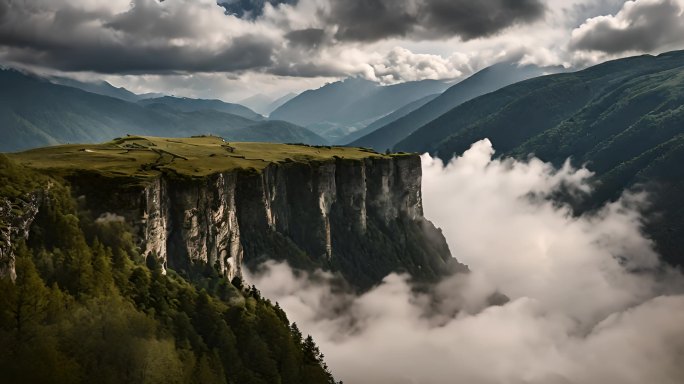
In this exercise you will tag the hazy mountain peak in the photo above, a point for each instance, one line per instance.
(486, 80)
(336, 109)
(187, 104)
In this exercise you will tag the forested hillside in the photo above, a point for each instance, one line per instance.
(86, 308)
(624, 119)
(487, 80)
(35, 112)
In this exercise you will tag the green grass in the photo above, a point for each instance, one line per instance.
(143, 157)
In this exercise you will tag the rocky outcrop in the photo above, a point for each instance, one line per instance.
(363, 218)
(16, 216)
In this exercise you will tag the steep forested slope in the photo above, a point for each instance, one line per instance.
(624, 119)
(84, 307)
(486, 80)
(186, 104)
(387, 119)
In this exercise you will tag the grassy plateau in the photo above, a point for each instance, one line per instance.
(143, 157)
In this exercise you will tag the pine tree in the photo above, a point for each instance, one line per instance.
(102, 268)
(27, 299)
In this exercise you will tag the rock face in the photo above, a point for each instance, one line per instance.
(363, 218)
(15, 222)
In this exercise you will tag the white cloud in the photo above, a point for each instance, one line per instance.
(577, 313)
(143, 36)
(183, 39)
(640, 26)
(400, 64)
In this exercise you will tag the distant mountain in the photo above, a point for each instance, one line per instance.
(185, 104)
(259, 103)
(623, 118)
(275, 131)
(338, 108)
(100, 88)
(323, 104)
(264, 105)
(381, 122)
(150, 95)
(277, 103)
(36, 112)
(206, 121)
(487, 80)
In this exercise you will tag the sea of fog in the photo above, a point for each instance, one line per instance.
(589, 300)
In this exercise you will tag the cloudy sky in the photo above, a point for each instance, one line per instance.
(238, 48)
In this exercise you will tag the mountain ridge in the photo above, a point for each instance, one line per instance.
(338, 108)
(486, 80)
(66, 114)
(387, 119)
(623, 119)
(186, 104)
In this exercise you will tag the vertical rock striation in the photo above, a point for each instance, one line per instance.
(362, 218)
(16, 217)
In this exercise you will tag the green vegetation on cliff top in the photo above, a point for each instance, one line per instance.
(147, 157)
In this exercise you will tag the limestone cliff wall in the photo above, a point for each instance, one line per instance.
(355, 216)
(15, 222)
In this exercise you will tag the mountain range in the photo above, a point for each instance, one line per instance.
(186, 104)
(484, 81)
(35, 111)
(342, 107)
(387, 119)
(264, 105)
(103, 88)
(623, 119)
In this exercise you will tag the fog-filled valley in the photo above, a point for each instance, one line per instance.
(586, 297)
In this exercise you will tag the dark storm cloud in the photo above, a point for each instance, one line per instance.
(250, 9)
(643, 25)
(305, 68)
(153, 36)
(245, 52)
(146, 38)
(309, 38)
(473, 19)
(372, 20)
(147, 20)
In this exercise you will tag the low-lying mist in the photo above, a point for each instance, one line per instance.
(589, 300)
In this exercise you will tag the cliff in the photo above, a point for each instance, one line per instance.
(16, 216)
(205, 201)
(21, 195)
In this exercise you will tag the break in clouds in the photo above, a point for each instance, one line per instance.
(589, 300)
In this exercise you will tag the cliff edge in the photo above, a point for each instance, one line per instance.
(202, 200)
